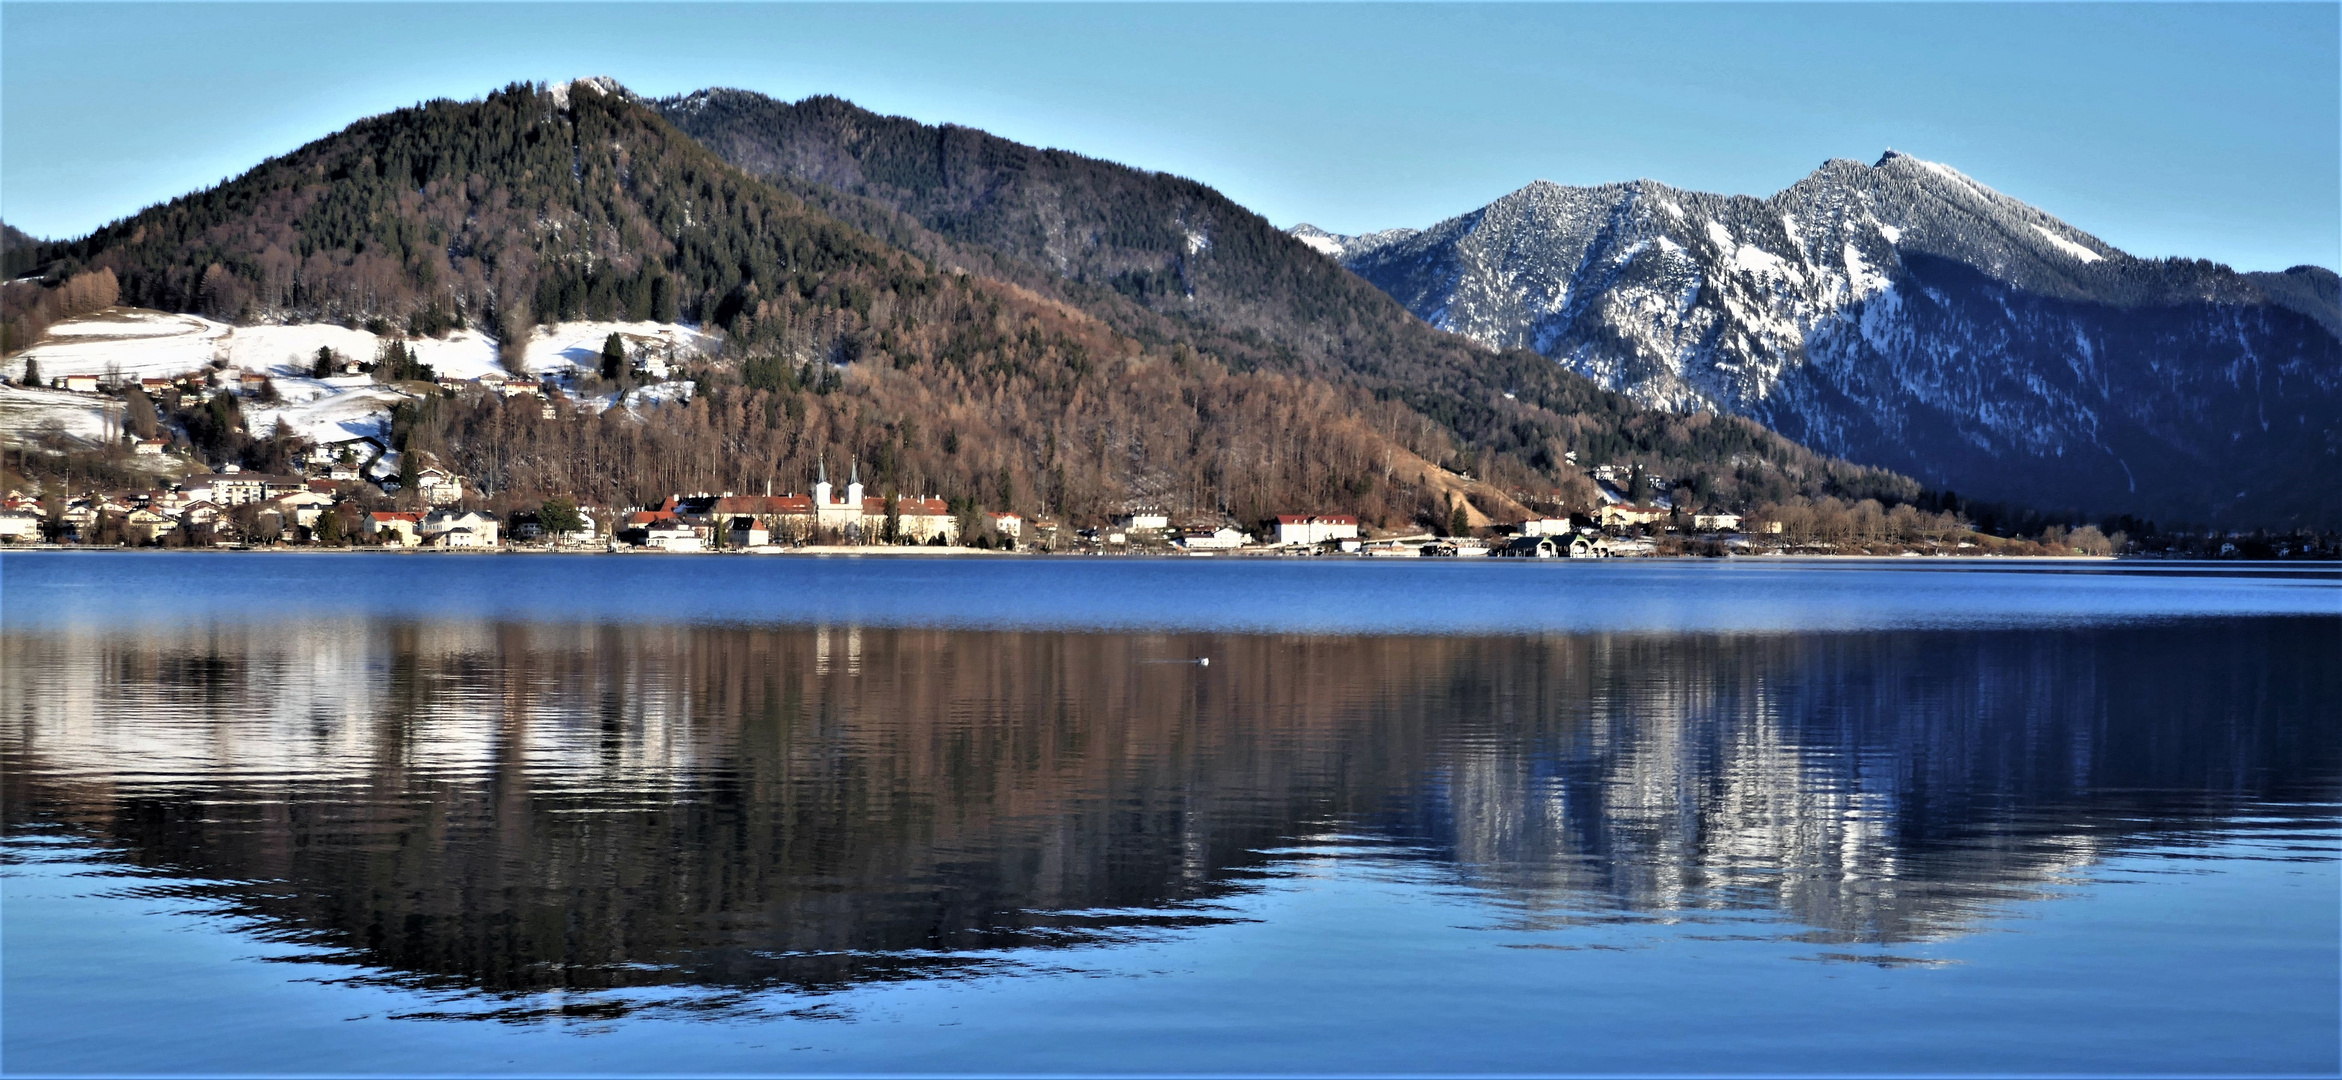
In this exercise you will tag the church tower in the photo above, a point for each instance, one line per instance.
(821, 484)
(854, 488)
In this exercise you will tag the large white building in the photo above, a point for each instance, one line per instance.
(459, 529)
(1315, 528)
(825, 513)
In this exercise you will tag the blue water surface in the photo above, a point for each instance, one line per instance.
(463, 815)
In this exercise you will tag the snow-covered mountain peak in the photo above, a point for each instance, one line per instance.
(593, 84)
(1339, 247)
(1899, 313)
(1325, 243)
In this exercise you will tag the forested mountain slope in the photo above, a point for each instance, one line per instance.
(578, 201)
(1904, 315)
(1122, 243)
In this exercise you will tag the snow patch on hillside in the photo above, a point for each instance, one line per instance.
(39, 415)
(137, 344)
(337, 415)
(2062, 244)
(1757, 262)
(128, 343)
(290, 350)
(570, 348)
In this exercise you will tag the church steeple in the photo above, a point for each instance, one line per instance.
(854, 486)
(821, 483)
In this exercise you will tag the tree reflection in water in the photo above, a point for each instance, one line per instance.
(512, 808)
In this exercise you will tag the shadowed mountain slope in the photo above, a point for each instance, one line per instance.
(1904, 315)
(1124, 243)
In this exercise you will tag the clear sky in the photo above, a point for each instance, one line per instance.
(2212, 131)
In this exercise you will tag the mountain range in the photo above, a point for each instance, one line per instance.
(1246, 376)
(1904, 315)
(1039, 330)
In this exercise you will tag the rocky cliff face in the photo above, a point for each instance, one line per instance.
(1904, 315)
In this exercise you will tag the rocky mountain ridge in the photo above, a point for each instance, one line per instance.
(1904, 315)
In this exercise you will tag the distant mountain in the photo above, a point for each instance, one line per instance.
(1004, 326)
(1165, 258)
(1903, 315)
(577, 202)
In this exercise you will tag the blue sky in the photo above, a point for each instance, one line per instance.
(2212, 131)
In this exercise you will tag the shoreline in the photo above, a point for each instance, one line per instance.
(920, 552)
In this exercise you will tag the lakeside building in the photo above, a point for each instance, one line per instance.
(234, 487)
(17, 526)
(1530, 546)
(1307, 529)
(301, 507)
(1716, 522)
(1144, 519)
(148, 526)
(458, 529)
(747, 532)
(671, 535)
(394, 528)
(1225, 538)
(851, 514)
(1621, 514)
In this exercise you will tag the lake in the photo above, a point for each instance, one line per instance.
(407, 814)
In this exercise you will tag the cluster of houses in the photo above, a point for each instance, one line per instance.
(445, 529)
(194, 386)
(203, 502)
(211, 507)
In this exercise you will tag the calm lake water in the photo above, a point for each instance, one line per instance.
(410, 814)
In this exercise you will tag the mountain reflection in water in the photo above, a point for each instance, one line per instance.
(516, 807)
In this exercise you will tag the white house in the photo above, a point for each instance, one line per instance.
(1220, 539)
(1144, 518)
(148, 526)
(1315, 528)
(481, 527)
(1629, 514)
(1008, 525)
(1716, 522)
(20, 527)
(439, 487)
(1545, 526)
(671, 535)
(302, 507)
(461, 536)
(747, 532)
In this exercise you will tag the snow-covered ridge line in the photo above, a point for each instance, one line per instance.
(1903, 314)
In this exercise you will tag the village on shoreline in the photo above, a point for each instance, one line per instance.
(114, 475)
(336, 498)
(323, 508)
